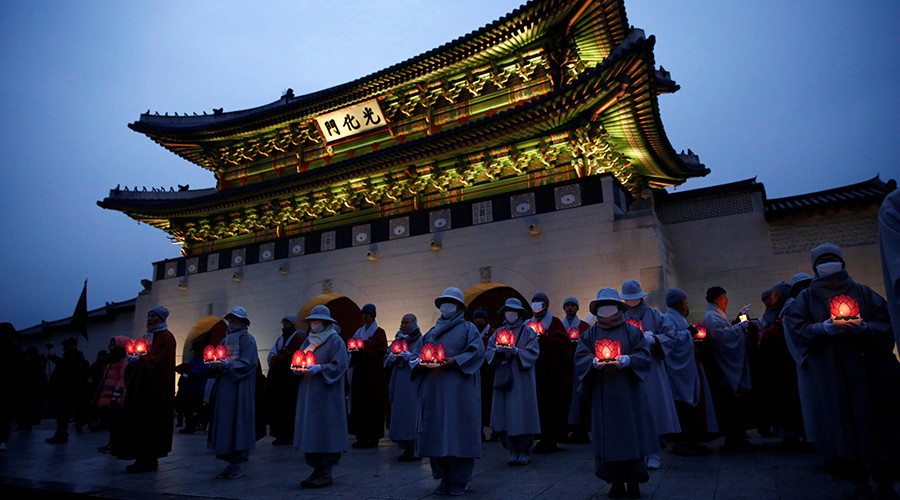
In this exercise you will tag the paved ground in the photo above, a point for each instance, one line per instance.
(76, 469)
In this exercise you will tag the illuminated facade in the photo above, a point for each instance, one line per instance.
(521, 157)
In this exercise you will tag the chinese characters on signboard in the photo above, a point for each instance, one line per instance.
(350, 121)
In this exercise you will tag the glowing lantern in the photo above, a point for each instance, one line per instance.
(608, 350)
(209, 354)
(844, 308)
(574, 333)
(355, 344)
(302, 360)
(701, 331)
(398, 346)
(432, 354)
(636, 323)
(137, 347)
(505, 338)
(537, 326)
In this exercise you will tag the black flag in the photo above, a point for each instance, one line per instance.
(79, 317)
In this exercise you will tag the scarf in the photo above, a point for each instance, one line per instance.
(412, 336)
(317, 339)
(366, 332)
(444, 324)
(574, 324)
(611, 322)
(636, 312)
(826, 287)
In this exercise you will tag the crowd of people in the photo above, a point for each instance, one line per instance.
(816, 369)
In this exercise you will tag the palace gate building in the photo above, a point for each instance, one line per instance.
(526, 156)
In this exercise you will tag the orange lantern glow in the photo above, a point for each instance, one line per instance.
(129, 346)
(355, 344)
(136, 347)
(537, 326)
(574, 333)
(505, 338)
(701, 330)
(607, 350)
(302, 360)
(636, 323)
(844, 308)
(209, 354)
(398, 346)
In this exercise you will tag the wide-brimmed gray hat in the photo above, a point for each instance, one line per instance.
(604, 297)
(320, 313)
(451, 294)
(512, 304)
(631, 290)
(238, 312)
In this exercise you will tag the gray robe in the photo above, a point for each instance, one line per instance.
(889, 239)
(233, 423)
(449, 414)
(729, 343)
(321, 421)
(687, 377)
(622, 428)
(855, 389)
(402, 394)
(656, 384)
(515, 410)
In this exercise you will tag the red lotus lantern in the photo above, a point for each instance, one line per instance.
(355, 344)
(432, 354)
(221, 352)
(574, 333)
(537, 326)
(209, 354)
(701, 331)
(636, 323)
(844, 308)
(302, 360)
(608, 350)
(136, 347)
(505, 338)
(398, 346)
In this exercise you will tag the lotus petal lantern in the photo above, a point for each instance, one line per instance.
(302, 360)
(607, 350)
(844, 308)
(209, 354)
(636, 323)
(398, 346)
(505, 338)
(701, 330)
(574, 333)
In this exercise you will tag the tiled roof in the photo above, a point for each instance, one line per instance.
(872, 190)
(108, 311)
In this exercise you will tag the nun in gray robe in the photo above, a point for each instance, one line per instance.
(449, 414)
(856, 377)
(514, 411)
(402, 392)
(622, 428)
(688, 379)
(232, 429)
(320, 429)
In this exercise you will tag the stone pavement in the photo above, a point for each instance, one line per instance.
(30, 467)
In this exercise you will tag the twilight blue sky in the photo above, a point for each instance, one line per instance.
(800, 94)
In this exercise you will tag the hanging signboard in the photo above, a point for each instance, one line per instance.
(351, 121)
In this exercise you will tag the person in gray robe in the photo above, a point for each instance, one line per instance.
(402, 391)
(320, 429)
(232, 429)
(889, 240)
(690, 389)
(514, 411)
(729, 368)
(449, 414)
(659, 335)
(800, 282)
(843, 330)
(622, 426)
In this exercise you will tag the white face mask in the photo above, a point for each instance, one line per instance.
(316, 325)
(828, 268)
(511, 316)
(448, 309)
(537, 307)
(607, 311)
